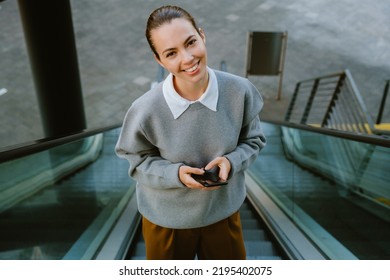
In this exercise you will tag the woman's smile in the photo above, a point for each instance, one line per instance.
(192, 69)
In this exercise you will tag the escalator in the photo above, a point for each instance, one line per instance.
(60, 203)
(333, 185)
(71, 198)
(259, 244)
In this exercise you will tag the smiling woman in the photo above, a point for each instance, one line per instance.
(179, 46)
(182, 51)
(196, 120)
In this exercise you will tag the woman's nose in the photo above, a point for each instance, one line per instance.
(187, 57)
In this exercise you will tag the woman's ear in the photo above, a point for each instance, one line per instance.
(202, 35)
(158, 60)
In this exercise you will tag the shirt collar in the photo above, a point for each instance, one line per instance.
(178, 105)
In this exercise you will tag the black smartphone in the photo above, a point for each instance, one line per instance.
(213, 183)
(210, 178)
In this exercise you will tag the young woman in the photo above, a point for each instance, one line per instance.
(195, 120)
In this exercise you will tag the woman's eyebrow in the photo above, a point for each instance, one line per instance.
(188, 39)
(168, 50)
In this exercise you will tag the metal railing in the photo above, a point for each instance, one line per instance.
(36, 146)
(332, 101)
(383, 102)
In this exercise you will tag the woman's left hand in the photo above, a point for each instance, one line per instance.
(224, 167)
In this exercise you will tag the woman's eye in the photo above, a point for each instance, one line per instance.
(170, 54)
(191, 42)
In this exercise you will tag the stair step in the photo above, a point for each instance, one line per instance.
(260, 248)
(138, 258)
(247, 214)
(255, 250)
(263, 258)
(254, 235)
(250, 224)
(139, 250)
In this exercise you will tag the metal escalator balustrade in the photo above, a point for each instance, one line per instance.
(62, 199)
(332, 185)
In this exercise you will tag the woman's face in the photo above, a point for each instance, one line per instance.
(182, 51)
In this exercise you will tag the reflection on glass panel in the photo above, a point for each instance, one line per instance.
(273, 171)
(115, 63)
(61, 203)
(337, 190)
(19, 113)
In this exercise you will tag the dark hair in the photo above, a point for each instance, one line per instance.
(165, 14)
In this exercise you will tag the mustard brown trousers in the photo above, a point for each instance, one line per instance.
(220, 241)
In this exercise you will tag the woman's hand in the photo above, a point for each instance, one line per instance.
(224, 167)
(185, 173)
(186, 178)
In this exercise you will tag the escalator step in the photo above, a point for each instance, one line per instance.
(254, 235)
(250, 224)
(255, 250)
(260, 248)
(139, 251)
(263, 258)
(247, 214)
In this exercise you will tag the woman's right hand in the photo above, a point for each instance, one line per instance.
(185, 177)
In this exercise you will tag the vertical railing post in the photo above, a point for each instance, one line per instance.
(292, 102)
(383, 102)
(313, 92)
(332, 101)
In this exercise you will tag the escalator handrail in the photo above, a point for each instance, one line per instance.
(24, 149)
(379, 140)
(16, 151)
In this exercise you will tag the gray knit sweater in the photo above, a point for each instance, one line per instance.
(156, 145)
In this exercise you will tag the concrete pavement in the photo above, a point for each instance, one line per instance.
(116, 64)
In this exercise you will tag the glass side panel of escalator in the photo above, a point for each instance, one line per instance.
(61, 203)
(336, 190)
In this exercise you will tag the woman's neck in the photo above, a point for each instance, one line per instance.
(191, 91)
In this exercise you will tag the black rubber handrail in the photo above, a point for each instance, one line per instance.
(13, 152)
(380, 140)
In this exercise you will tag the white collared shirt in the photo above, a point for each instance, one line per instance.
(178, 105)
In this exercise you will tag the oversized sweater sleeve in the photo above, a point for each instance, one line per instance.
(252, 138)
(146, 165)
